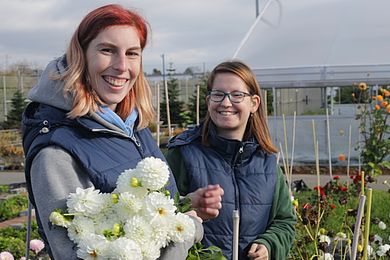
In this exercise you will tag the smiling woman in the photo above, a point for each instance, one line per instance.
(233, 149)
(87, 123)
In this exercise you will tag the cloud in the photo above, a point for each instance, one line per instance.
(187, 32)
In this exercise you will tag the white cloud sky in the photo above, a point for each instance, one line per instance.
(188, 32)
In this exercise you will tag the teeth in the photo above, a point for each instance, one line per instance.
(115, 81)
(226, 113)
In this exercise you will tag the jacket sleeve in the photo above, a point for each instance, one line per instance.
(175, 162)
(55, 174)
(280, 233)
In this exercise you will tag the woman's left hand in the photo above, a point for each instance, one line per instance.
(258, 252)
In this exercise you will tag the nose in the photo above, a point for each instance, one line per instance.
(120, 62)
(226, 100)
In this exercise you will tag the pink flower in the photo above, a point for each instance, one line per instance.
(6, 256)
(36, 245)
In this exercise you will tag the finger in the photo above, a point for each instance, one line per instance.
(252, 249)
(214, 193)
(209, 211)
(208, 202)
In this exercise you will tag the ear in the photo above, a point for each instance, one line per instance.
(255, 101)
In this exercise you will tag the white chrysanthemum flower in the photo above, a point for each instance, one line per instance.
(182, 228)
(158, 207)
(153, 173)
(128, 205)
(81, 227)
(138, 229)
(326, 256)
(324, 238)
(150, 251)
(93, 247)
(124, 249)
(382, 250)
(105, 223)
(160, 234)
(128, 182)
(382, 225)
(58, 219)
(87, 201)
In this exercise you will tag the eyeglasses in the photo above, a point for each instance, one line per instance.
(234, 97)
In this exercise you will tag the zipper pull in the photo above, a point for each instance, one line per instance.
(135, 140)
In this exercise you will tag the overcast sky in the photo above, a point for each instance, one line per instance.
(197, 33)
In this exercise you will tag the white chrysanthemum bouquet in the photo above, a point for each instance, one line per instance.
(133, 222)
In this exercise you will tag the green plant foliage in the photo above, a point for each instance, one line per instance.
(12, 206)
(175, 106)
(202, 101)
(198, 251)
(15, 115)
(16, 246)
(331, 211)
(373, 113)
(13, 240)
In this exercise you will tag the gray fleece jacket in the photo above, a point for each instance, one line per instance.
(55, 173)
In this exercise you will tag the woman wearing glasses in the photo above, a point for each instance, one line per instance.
(232, 148)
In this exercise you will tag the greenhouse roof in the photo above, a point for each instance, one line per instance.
(305, 43)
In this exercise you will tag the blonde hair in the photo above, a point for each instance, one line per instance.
(76, 77)
(257, 125)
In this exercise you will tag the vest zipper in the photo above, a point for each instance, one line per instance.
(138, 145)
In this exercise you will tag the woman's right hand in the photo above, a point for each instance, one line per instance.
(207, 201)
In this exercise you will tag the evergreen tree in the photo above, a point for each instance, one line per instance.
(175, 106)
(345, 94)
(202, 101)
(14, 117)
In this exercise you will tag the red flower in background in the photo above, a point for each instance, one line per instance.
(321, 190)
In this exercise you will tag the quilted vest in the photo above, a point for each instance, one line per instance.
(100, 152)
(248, 177)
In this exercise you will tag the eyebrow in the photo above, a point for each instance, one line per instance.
(107, 44)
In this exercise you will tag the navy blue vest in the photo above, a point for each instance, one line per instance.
(248, 177)
(100, 152)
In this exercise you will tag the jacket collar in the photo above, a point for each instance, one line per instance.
(232, 150)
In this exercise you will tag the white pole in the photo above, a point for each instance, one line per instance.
(158, 115)
(236, 232)
(349, 152)
(329, 150)
(168, 112)
(293, 144)
(197, 103)
(5, 89)
(356, 232)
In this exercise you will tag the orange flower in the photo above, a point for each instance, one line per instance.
(341, 157)
(379, 98)
(384, 104)
(386, 93)
(377, 107)
(388, 108)
(362, 86)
